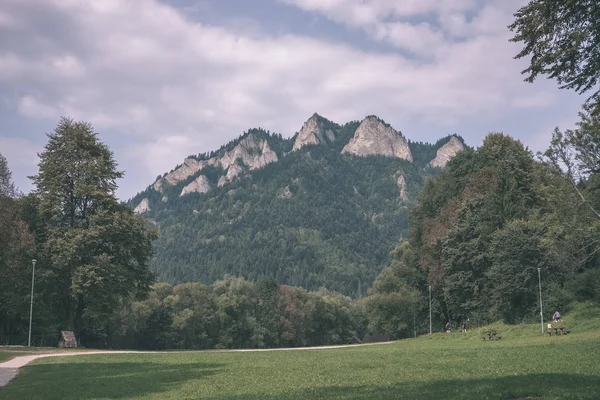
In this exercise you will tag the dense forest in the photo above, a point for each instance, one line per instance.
(491, 227)
(316, 218)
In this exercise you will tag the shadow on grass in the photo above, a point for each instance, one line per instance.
(93, 380)
(531, 387)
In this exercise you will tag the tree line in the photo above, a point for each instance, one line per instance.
(231, 313)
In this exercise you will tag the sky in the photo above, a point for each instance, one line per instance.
(163, 79)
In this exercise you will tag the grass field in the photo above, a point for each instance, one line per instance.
(524, 365)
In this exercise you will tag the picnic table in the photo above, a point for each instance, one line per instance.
(490, 334)
(556, 328)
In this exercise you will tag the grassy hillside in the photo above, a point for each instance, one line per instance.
(524, 364)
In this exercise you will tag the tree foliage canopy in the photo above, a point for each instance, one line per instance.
(482, 228)
(562, 37)
(7, 187)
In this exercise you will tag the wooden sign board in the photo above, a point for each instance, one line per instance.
(67, 339)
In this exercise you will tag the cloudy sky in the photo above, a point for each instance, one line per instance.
(163, 79)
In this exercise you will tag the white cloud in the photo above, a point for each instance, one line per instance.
(142, 68)
(360, 12)
(400, 22)
(392, 20)
(30, 106)
(418, 38)
(68, 66)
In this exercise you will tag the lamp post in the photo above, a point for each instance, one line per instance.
(31, 304)
(415, 323)
(429, 309)
(541, 310)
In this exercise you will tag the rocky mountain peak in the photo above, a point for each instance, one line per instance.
(374, 137)
(447, 152)
(253, 152)
(313, 132)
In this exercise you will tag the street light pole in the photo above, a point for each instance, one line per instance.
(541, 310)
(430, 309)
(31, 304)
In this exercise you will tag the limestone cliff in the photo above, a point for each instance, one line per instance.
(222, 181)
(447, 152)
(143, 207)
(189, 167)
(373, 137)
(252, 151)
(401, 182)
(232, 172)
(199, 185)
(313, 132)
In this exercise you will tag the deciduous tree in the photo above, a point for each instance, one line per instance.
(562, 37)
(96, 250)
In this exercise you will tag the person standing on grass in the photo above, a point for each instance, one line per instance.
(448, 327)
(556, 317)
(464, 325)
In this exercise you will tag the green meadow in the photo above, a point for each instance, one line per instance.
(523, 365)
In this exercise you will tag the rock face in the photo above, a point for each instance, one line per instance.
(447, 152)
(222, 181)
(199, 185)
(372, 137)
(285, 193)
(313, 132)
(253, 152)
(401, 182)
(189, 167)
(375, 138)
(143, 207)
(232, 172)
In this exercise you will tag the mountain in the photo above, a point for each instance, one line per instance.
(375, 137)
(321, 209)
(316, 130)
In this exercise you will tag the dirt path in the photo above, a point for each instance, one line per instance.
(10, 368)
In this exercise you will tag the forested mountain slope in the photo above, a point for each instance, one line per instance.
(322, 209)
